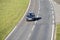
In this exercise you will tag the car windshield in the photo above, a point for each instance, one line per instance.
(30, 15)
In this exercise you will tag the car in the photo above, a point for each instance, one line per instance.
(30, 16)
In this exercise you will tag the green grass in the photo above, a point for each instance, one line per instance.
(58, 32)
(11, 12)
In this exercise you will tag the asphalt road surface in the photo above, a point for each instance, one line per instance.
(35, 30)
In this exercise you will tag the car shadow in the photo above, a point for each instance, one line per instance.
(36, 19)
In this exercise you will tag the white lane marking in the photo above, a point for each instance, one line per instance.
(33, 27)
(19, 22)
(31, 31)
(38, 9)
(52, 36)
(37, 16)
(28, 36)
(53, 17)
(53, 22)
(52, 12)
(52, 8)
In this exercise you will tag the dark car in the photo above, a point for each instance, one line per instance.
(30, 16)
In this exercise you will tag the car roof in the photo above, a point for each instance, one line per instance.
(30, 13)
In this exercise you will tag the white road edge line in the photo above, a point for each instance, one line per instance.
(52, 36)
(20, 20)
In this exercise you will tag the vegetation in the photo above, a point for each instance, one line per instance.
(58, 32)
(11, 12)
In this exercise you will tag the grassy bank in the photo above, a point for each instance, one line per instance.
(11, 12)
(58, 32)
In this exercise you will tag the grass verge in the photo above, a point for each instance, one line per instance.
(58, 32)
(11, 12)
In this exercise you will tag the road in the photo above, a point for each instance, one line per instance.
(35, 30)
